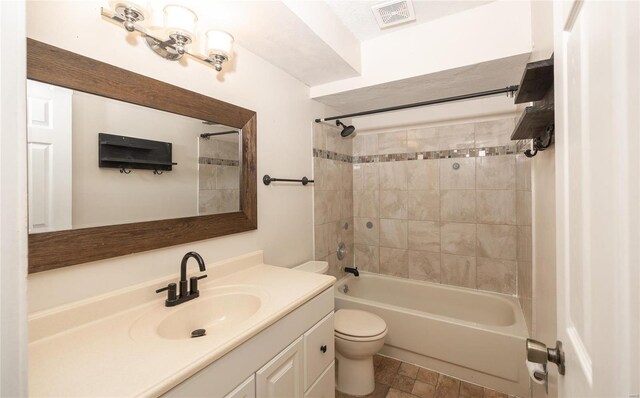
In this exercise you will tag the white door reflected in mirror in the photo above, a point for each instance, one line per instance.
(70, 187)
(49, 115)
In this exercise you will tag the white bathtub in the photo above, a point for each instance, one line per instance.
(472, 335)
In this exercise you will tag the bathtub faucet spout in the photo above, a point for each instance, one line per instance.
(353, 271)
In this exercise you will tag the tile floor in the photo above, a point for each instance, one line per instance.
(396, 379)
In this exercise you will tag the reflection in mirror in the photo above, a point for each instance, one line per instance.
(219, 177)
(78, 180)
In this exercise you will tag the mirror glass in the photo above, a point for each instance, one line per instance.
(95, 161)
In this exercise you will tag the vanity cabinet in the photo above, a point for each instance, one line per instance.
(294, 357)
(302, 366)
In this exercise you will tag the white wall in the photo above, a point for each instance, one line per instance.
(104, 196)
(285, 114)
(319, 17)
(541, 30)
(543, 203)
(13, 202)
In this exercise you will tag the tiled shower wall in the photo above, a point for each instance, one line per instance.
(333, 197)
(457, 220)
(218, 176)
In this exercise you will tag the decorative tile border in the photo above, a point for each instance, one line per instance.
(324, 154)
(218, 162)
(510, 149)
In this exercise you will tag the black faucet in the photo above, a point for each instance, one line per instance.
(185, 295)
(353, 271)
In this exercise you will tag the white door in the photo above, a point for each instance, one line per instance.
(49, 144)
(597, 83)
(283, 376)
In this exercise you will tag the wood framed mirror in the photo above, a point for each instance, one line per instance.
(59, 248)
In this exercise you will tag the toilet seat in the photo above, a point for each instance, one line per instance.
(360, 339)
(356, 325)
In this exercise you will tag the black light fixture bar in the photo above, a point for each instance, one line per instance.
(508, 90)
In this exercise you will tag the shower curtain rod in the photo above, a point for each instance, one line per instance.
(207, 135)
(509, 89)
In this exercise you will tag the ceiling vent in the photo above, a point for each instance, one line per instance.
(392, 13)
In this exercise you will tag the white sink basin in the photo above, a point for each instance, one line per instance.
(219, 311)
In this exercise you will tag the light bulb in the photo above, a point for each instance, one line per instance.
(219, 44)
(180, 23)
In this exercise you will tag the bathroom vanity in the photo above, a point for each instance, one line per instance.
(269, 332)
(305, 367)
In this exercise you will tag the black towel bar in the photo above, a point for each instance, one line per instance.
(268, 180)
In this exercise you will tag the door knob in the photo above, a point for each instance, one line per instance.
(538, 352)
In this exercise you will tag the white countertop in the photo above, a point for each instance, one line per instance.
(88, 350)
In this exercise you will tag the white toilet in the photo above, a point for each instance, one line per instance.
(359, 336)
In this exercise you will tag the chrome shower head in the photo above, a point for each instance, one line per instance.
(347, 131)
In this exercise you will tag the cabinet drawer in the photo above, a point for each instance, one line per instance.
(319, 352)
(325, 386)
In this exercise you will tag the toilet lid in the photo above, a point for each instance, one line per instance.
(359, 323)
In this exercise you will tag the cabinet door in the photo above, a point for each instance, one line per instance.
(325, 386)
(283, 375)
(318, 349)
(247, 389)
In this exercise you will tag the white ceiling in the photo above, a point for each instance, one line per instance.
(356, 15)
(484, 76)
(286, 37)
(272, 31)
(275, 31)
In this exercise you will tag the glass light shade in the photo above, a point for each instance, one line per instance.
(180, 20)
(218, 43)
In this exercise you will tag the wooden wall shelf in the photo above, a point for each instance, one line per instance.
(117, 151)
(533, 122)
(536, 80)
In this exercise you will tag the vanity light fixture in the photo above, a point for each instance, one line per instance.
(179, 33)
(219, 47)
(180, 24)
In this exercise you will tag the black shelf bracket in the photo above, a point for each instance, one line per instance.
(541, 143)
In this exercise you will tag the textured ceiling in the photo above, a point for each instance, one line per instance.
(357, 16)
(489, 75)
(272, 31)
